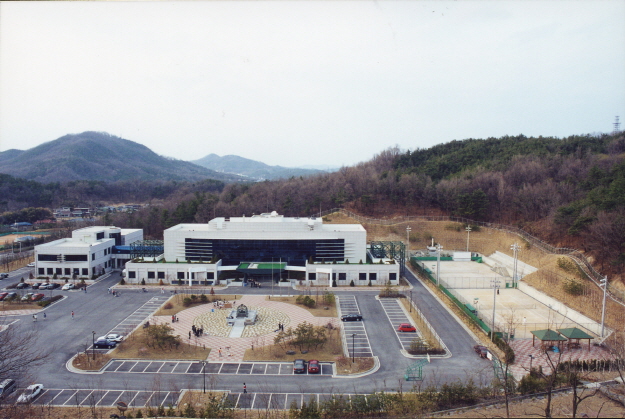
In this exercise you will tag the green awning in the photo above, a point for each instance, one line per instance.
(547, 335)
(261, 268)
(574, 333)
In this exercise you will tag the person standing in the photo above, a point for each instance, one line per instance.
(72, 314)
(220, 352)
(244, 388)
(44, 315)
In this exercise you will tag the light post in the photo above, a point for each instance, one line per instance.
(408, 230)
(92, 343)
(204, 374)
(515, 250)
(353, 353)
(439, 247)
(271, 276)
(468, 229)
(411, 301)
(531, 359)
(495, 284)
(604, 285)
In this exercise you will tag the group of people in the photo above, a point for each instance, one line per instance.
(280, 327)
(197, 331)
(174, 318)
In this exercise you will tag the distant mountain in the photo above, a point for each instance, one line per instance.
(250, 168)
(99, 156)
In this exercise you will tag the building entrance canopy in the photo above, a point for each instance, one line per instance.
(261, 268)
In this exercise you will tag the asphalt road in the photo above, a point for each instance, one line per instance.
(99, 311)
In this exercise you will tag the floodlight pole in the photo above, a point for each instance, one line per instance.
(515, 250)
(468, 229)
(204, 374)
(604, 285)
(353, 353)
(408, 230)
(92, 344)
(411, 301)
(438, 263)
(495, 284)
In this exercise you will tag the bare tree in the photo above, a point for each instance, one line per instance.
(19, 352)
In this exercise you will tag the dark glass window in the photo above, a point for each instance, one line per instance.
(180, 275)
(41, 271)
(373, 276)
(76, 258)
(150, 275)
(93, 256)
(210, 275)
(362, 276)
(47, 258)
(392, 276)
(58, 271)
(99, 236)
(117, 237)
(294, 252)
(49, 271)
(334, 276)
(342, 276)
(68, 271)
(132, 274)
(85, 271)
(160, 275)
(312, 276)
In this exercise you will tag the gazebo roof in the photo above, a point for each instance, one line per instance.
(547, 334)
(574, 333)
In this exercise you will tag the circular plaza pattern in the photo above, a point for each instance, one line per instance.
(215, 322)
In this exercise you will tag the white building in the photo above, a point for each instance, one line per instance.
(265, 246)
(90, 251)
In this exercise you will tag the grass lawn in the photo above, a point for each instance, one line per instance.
(19, 306)
(318, 311)
(175, 304)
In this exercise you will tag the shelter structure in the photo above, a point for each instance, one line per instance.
(574, 335)
(547, 338)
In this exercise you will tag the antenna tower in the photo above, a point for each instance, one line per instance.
(617, 126)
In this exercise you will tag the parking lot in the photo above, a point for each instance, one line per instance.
(106, 398)
(195, 367)
(283, 401)
(396, 315)
(355, 335)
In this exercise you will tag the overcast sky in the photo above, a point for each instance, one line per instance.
(308, 83)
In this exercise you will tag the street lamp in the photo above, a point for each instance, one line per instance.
(92, 343)
(468, 229)
(408, 230)
(353, 353)
(411, 301)
(438, 263)
(604, 285)
(204, 374)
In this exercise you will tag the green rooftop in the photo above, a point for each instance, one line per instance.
(547, 334)
(574, 333)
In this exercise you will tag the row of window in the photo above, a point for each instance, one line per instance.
(64, 271)
(161, 275)
(362, 276)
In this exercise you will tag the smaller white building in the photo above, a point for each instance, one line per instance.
(90, 251)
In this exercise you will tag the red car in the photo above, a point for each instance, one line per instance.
(406, 327)
(38, 297)
(2, 295)
(313, 367)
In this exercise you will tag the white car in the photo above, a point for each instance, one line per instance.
(31, 265)
(28, 296)
(68, 287)
(113, 337)
(30, 393)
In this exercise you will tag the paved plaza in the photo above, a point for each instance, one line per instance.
(216, 330)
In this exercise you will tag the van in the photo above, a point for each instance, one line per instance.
(7, 387)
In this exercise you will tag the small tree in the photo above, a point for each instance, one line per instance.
(143, 281)
(351, 283)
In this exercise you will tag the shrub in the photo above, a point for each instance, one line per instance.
(139, 414)
(168, 306)
(122, 282)
(369, 284)
(573, 287)
(309, 302)
(453, 227)
(203, 298)
(160, 282)
(143, 281)
(334, 282)
(351, 283)
(187, 302)
(503, 345)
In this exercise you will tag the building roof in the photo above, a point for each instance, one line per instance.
(574, 333)
(547, 334)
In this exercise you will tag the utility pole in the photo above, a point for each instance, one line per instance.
(438, 263)
(515, 250)
(468, 229)
(495, 285)
(604, 285)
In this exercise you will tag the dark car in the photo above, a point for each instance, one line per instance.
(52, 286)
(299, 366)
(352, 317)
(313, 367)
(4, 275)
(11, 296)
(482, 351)
(104, 343)
(406, 327)
(22, 285)
(36, 285)
(37, 297)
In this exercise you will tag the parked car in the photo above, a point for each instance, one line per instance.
(314, 367)
(31, 265)
(7, 387)
(352, 317)
(68, 287)
(4, 275)
(10, 296)
(482, 351)
(36, 285)
(3, 295)
(113, 337)
(28, 296)
(43, 286)
(299, 366)
(104, 343)
(406, 327)
(30, 393)
(38, 297)
(52, 286)
(22, 286)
